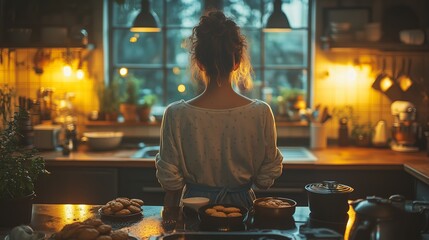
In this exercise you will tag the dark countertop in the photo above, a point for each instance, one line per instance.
(416, 163)
(50, 218)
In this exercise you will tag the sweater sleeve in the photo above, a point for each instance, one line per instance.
(167, 160)
(271, 167)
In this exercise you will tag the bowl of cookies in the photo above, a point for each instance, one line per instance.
(222, 215)
(90, 229)
(122, 207)
(274, 208)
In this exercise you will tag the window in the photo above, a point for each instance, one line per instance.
(159, 60)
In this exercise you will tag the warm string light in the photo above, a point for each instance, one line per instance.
(68, 69)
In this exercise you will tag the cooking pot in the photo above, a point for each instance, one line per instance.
(328, 200)
(393, 219)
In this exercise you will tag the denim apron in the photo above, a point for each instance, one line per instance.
(241, 195)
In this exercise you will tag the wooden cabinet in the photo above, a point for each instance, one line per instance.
(141, 183)
(79, 185)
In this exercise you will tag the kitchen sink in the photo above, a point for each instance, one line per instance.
(290, 154)
(297, 154)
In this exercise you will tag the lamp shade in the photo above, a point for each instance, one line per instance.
(277, 21)
(146, 20)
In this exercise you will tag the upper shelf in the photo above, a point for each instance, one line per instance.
(13, 45)
(377, 46)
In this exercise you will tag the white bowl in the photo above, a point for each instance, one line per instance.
(103, 140)
(195, 202)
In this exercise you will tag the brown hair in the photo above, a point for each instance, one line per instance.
(217, 45)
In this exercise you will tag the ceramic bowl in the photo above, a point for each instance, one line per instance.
(103, 140)
(274, 208)
(225, 222)
(195, 202)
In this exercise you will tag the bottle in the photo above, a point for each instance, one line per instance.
(343, 133)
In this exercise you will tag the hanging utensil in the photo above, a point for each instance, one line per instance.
(404, 80)
(383, 81)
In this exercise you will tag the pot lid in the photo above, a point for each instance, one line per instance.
(327, 187)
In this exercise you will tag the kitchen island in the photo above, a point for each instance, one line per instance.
(50, 218)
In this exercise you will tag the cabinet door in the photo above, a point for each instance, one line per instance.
(141, 183)
(78, 185)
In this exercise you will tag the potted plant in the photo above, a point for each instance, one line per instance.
(145, 106)
(20, 166)
(128, 106)
(108, 97)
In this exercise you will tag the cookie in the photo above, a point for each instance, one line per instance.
(134, 209)
(88, 234)
(218, 214)
(119, 235)
(104, 229)
(125, 202)
(107, 210)
(234, 214)
(123, 212)
(138, 201)
(219, 207)
(210, 211)
(231, 210)
(116, 206)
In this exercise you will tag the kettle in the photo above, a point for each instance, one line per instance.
(379, 138)
(388, 219)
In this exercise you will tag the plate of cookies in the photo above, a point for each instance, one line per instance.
(222, 214)
(122, 208)
(90, 229)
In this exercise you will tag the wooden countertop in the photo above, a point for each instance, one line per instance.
(415, 163)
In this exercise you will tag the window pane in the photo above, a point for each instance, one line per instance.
(289, 48)
(285, 79)
(253, 45)
(146, 50)
(149, 82)
(180, 85)
(245, 13)
(177, 54)
(184, 13)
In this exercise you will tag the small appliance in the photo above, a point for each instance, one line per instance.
(404, 127)
(47, 137)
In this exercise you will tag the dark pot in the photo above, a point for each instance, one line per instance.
(15, 212)
(279, 217)
(328, 200)
(222, 223)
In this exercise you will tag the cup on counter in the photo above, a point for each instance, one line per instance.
(318, 138)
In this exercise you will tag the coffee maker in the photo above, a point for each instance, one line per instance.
(404, 127)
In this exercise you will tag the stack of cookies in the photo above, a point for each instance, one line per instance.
(122, 206)
(91, 229)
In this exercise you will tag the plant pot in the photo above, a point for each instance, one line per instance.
(129, 112)
(17, 211)
(144, 113)
(328, 200)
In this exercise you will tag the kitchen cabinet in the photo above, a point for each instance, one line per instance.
(79, 185)
(376, 46)
(421, 190)
(140, 183)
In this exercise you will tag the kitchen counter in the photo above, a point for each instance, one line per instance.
(416, 164)
(50, 218)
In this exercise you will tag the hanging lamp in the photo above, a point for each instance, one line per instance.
(146, 20)
(277, 21)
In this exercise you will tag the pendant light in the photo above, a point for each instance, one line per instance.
(146, 20)
(277, 21)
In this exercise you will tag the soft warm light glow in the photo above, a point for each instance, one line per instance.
(73, 213)
(176, 70)
(123, 71)
(80, 74)
(181, 88)
(145, 29)
(386, 83)
(405, 83)
(276, 30)
(67, 70)
(343, 74)
(134, 38)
